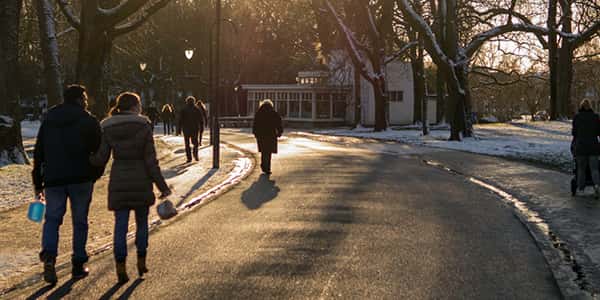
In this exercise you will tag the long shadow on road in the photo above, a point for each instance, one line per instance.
(260, 192)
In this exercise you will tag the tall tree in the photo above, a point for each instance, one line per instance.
(453, 58)
(367, 54)
(11, 143)
(98, 27)
(49, 45)
(579, 23)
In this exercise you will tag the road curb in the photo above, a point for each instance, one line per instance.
(243, 169)
(554, 251)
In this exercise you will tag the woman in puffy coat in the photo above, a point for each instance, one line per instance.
(586, 128)
(128, 136)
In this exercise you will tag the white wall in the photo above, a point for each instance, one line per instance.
(399, 78)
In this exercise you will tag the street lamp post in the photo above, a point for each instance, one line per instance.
(143, 66)
(215, 105)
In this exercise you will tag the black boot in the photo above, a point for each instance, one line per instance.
(122, 272)
(141, 265)
(50, 270)
(79, 271)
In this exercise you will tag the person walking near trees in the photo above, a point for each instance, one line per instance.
(586, 129)
(166, 115)
(128, 135)
(202, 108)
(61, 170)
(267, 128)
(191, 121)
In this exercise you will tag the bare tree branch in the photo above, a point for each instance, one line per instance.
(69, 14)
(141, 18)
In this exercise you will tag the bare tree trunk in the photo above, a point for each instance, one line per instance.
(422, 86)
(94, 51)
(553, 60)
(357, 99)
(49, 46)
(380, 109)
(565, 63)
(11, 141)
(441, 104)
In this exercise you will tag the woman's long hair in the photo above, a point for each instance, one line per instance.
(125, 101)
(167, 108)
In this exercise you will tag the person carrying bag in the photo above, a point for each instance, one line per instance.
(128, 136)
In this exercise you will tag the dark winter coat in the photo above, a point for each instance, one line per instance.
(586, 128)
(267, 128)
(135, 167)
(67, 137)
(191, 120)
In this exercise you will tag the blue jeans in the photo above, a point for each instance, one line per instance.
(80, 196)
(141, 233)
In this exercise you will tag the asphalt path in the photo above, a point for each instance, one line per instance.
(333, 221)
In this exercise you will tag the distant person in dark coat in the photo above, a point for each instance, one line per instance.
(128, 136)
(61, 170)
(267, 128)
(153, 114)
(202, 108)
(191, 121)
(167, 116)
(586, 128)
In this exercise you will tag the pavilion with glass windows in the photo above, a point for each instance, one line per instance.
(311, 102)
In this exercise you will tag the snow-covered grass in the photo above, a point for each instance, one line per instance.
(542, 142)
(29, 129)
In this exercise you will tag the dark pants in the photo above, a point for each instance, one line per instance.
(193, 139)
(80, 197)
(168, 127)
(582, 163)
(265, 164)
(141, 233)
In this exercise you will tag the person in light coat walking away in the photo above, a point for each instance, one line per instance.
(267, 128)
(586, 129)
(128, 136)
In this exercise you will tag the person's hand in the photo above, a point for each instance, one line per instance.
(166, 193)
(39, 194)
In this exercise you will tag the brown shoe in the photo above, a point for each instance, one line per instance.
(122, 272)
(141, 265)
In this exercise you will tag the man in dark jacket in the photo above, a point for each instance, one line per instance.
(191, 121)
(586, 128)
(267, 128)
(67, 137)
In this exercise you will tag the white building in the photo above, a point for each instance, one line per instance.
(321, 99)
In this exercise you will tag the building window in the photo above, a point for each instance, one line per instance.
(306, 106)
(339, 106)
(396, 96)
(323, 106)
(294, 105)
(251, 105)
(282, 108)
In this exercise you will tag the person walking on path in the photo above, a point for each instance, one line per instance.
(61, 170)
(128, 136)
(586, 128)
(202, 108)
(191, 121)
(167, 117)
(267, 128)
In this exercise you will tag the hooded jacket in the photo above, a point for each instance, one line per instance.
(67, 137)
(135, 168)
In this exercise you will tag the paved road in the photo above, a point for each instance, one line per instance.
(335, 222)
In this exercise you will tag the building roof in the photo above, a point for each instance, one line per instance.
(295, 87)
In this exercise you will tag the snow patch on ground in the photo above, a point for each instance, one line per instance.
(542, 142)
(29, 129)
